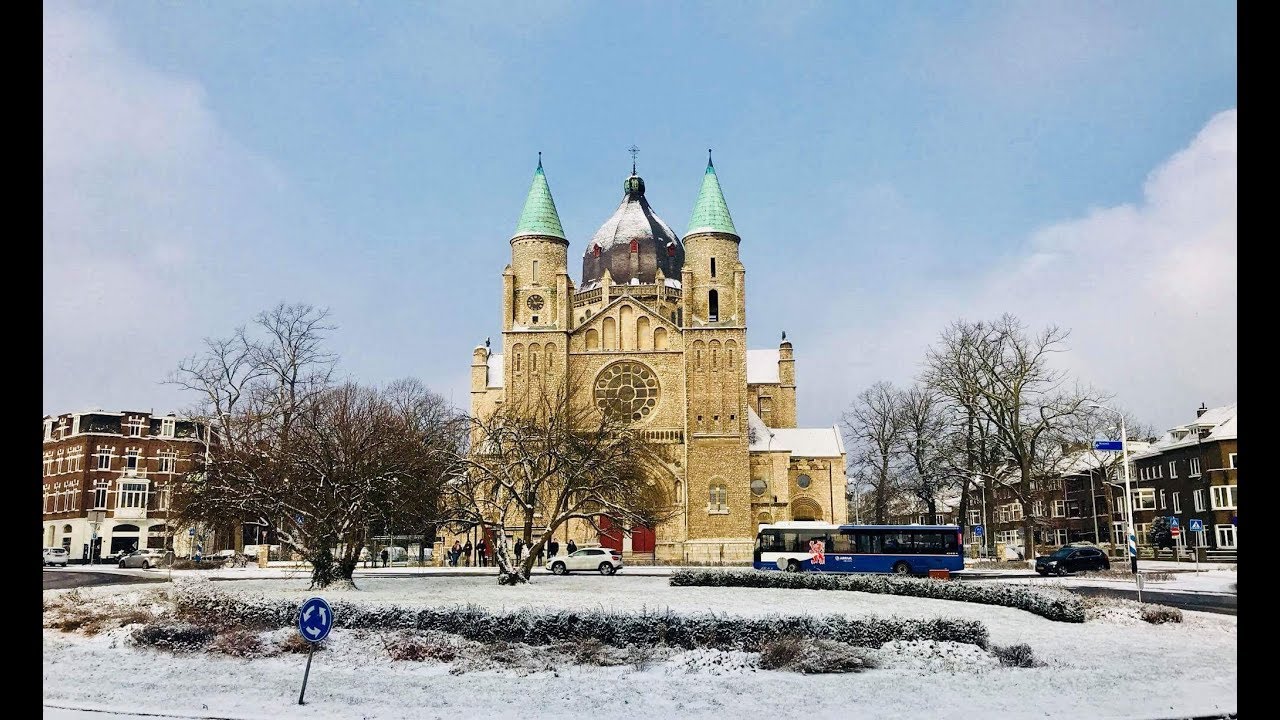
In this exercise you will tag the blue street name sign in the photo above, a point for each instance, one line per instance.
(977, 531)
(315, 619)
(1108, 445)
(1197, 525)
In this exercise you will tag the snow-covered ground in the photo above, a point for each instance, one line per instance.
(1098, 669)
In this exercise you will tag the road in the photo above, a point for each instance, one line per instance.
(72, 578)
(1204, 602)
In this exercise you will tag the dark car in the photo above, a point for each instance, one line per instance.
(1072, 559)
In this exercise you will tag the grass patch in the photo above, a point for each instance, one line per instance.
(1016, 656)
(1160, 614)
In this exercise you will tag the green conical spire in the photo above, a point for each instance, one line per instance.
(539, 216)
(710, 213)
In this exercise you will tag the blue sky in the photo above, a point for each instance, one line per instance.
(891, 166)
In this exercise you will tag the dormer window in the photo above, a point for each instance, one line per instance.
(167, 427)
(671, 249)
(595, 251)
(635, 246)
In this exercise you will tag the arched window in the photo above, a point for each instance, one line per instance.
(549, 354)
(635, 246)
(671, 249)
(595, 251)
(644, 335)
(718, 497)
(66, 529)
(764, 518)
(714, 348)
(593, 339)
(627, 327)
(713, 306)
(660, 338)
(610, 335)
(679, 491)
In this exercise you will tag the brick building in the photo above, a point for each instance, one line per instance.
(120, 463)
(657, 330)
(1188, 473)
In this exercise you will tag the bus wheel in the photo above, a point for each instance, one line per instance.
(793, 566)
(901, 568)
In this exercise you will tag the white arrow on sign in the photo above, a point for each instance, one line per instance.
(307, 615)
(312, 631)
(324, 617)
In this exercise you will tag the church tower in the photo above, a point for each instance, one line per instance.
(715, 335)
(537, 296)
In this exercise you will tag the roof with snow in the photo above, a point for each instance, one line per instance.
(762, 366)
(539, 216)
(801, 442)
(1216, 423)
(656, 244)
(495, 370)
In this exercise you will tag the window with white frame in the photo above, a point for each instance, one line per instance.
(1194, 464)
(168, 460)
(167, 427)
(57, 464)
(1162, 499)
(1060, 536)
(104, 457)
(100, 497)
(75, 499)
(48, 429)
(1037, 508)
(75, 424)
(134, 426)
(1015, 511)
(1177, 504)
(1223, 497)
(1009, 537)
(1117, 533)
(78, 460)
(131, 459)
(975, 517)
(58, 500)
(48, 463)
(132, 495)
(1198, 497)
(1144, 499)
(1226, 535)
(1059, 508)
(1202, 538)
(1231, 460)
(1173, 468)
(162, 498)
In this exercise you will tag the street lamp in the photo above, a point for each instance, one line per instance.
(1128, 493)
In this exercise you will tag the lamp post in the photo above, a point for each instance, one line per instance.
(96, 517)
(1128, 492)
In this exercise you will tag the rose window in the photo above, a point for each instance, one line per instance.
(627, 389)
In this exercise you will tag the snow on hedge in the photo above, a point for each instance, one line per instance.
(1051, 604)
(541, 626)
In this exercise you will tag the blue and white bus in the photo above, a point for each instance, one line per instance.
(822, 547)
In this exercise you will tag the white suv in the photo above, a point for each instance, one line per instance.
(55, 556)
(605, 560)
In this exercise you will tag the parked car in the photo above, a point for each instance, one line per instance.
(147, 558)
(1072, 559)
(606, 561)
(55, 556)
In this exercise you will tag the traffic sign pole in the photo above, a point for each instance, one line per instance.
(311, 650)
(315, 620)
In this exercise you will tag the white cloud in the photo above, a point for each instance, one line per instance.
(1148, 291)
(144, 194)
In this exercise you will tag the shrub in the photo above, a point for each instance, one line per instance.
(810, 656)
(614, 629)
(238, 643)
(418, 647)
(640, 656)
(1060, 606)
(294, 643)
(780, 652)
(1016, 655)
(176, 636)
(1159, 614)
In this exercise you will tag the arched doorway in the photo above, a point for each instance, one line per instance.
(805, 509)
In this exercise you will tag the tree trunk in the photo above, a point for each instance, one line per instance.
(507, 575)
(1028, 534)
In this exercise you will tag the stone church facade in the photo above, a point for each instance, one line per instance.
(657, 326)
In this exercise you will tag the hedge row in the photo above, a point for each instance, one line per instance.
(1062, 607)
(618, 629)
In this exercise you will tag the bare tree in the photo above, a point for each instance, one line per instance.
(873, 427)
(317, 464)
(1005, 377)
(926, 445)
(551, 457)
(1103, 467)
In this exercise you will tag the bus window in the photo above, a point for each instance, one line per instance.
(826, 541)
(950, 543)
(843, 543)
(770, 541)
(869, 542)
(930, 542)
(898, 543)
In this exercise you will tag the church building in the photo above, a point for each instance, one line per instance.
(657, 325)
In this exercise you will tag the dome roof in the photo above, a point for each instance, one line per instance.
(633, 243)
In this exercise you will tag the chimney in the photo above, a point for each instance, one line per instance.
(1202, 410)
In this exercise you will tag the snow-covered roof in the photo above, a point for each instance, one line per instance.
(762, 366)
(495, 370)
(671, 283)
(809, 442)
(1219, 421)
(763, 435)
